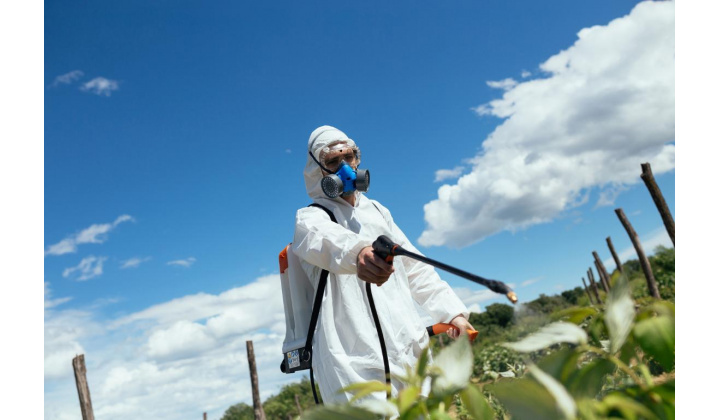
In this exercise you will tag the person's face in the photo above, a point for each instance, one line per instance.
(338, 154)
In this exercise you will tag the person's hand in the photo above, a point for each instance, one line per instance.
(372, 268)
(462, 325)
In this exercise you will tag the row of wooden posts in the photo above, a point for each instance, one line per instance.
(603, 279)
(668, 221)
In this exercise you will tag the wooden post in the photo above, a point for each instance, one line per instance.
(602, 272)
(659, 200)
(601, 266)
(615, 256)
(257, 404)
(593, 285)
(297, 404)
(204, 416)
(86, 409)
(602, 278)
(644, 263)
(587, 291)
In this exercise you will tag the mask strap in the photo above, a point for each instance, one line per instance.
(321, 167)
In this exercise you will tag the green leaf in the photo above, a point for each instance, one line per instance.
(476, 404)
(563, 400)
(362, 389)
(439, 414)
(557, 332)
(334, 412)
(380, 407)
(628, 407)
(452, 368)
(575, 315)
(619, 314)
(588, 381)
(423, 361)
(525, 399)
(560, 364)
(656, 336)
(407, 397)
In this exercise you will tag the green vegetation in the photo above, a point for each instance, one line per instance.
(557, 357)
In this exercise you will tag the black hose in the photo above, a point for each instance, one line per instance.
(386, 363)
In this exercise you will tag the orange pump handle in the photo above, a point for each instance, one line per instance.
(441, 327)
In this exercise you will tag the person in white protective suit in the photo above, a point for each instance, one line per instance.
(346, 348)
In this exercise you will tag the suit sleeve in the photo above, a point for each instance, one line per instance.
(324, 243)
(432, 293)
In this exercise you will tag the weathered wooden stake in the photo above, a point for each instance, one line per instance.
(615, 256)
(297, 404)
(659, 200)
(602, 278)
(644, 262)
(83, 389)
(593, 285)
(602, 269)
(587, 291)
(257, 404)
(204, 416)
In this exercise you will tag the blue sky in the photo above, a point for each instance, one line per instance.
(501, 135)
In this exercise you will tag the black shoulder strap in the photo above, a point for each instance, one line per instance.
(307, 355)
(329, 213)
(320, 290)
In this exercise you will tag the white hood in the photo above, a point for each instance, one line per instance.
(319, 138)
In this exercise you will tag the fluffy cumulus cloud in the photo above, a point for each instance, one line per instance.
(100, 86)
(605, 105)
(188, 355)
(445, 174)
(63, 331)
(95, 234)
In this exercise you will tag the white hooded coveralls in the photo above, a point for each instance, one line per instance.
(346, 348)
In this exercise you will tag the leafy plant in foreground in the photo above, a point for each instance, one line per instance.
(597, 366)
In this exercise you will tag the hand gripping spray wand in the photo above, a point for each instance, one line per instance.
(387, 250)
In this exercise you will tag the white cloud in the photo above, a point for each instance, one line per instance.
(51, 303)
(88, 268)
(525, 74)
(187, 262)
(606, 106)
(100, 86)
(184, 338)
(444, 174)
(168, 360)
(134, 262)
(68, 78)
(95, 234)
(505, 84)
(609, 194)
(63, 330)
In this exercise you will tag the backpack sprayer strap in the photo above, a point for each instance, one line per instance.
(307, 352)
(318, 294)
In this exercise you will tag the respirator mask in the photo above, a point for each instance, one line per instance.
(342, 178)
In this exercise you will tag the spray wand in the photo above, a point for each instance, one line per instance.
(387, 250)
